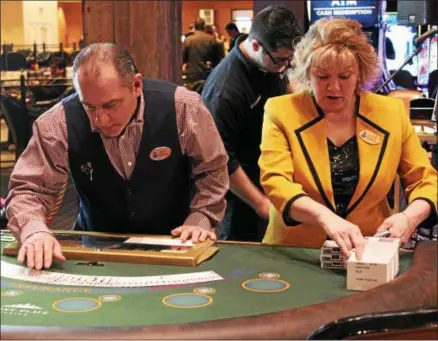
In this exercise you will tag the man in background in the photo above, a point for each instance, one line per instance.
(233, 32)
(211, 30)
(200, 53)
(190, 31)
(235, 93)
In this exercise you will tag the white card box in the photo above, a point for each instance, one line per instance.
(379, 264)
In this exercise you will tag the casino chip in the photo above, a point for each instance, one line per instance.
(204, 291)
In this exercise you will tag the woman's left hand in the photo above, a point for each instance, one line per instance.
(398, 226)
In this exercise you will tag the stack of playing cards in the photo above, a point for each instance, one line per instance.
(331, 256)
(379, 264)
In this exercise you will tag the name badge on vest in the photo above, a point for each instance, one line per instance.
(160, 153)
(369, 137)
(88, 170)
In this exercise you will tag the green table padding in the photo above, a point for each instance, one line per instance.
(302, 281)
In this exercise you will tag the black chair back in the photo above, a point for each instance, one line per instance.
(19, 122)
(47, 104)
(44, 58)
(404, 79)
(48, 92)
(61, 59)
(13, 61)
(74, 54)
(381, 326)
(25, 53)
(421, 109)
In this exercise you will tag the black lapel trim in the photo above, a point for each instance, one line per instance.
(318, 108)
(309, 160)
(379, 161)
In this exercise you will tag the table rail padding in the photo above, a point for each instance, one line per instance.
(417, 288)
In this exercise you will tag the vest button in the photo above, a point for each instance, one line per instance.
(129, 191)
(133, 214)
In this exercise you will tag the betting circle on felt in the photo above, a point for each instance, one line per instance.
(265, 285)
(76, 305)
(187, 300)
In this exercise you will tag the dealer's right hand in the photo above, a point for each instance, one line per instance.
(39, 249)
(346, 235)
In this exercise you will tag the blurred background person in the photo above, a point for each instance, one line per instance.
(211, 30)
(200, 53)
(233, 34)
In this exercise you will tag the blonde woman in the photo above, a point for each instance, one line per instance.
(330, 153)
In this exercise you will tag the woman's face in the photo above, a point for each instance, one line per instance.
(334, 85)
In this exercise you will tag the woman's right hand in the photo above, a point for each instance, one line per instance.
(345, 234)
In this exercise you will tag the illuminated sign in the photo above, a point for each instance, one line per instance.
(364, 11)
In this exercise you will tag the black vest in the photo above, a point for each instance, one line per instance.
(157, 196)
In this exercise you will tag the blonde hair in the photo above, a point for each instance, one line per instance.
(331, 41)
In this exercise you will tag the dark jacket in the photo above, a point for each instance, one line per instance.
(201, 53)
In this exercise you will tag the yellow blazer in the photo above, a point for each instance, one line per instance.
(295, 161)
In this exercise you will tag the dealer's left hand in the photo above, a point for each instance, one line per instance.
(398, 226)
(195, 233)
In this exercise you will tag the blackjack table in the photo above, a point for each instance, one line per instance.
(264, 292)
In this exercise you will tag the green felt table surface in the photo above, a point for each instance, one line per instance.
(300, 282)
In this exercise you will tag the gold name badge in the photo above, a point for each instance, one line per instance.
(369, 137)
(160, 153)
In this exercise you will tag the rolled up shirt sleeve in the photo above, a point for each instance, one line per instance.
(201, 142)
(39, 174)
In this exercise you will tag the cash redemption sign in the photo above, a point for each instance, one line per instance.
(364, 11)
